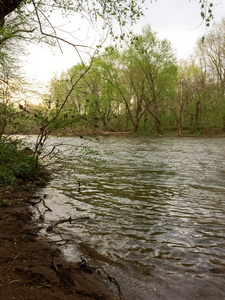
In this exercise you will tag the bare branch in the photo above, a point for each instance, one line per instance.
(55, 36)
(4, 81)
(51, 227)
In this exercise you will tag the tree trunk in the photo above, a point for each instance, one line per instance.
(196, 117)
(156, 120)
(180, 133)
(6, 7)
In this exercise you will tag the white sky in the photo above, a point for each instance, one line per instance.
(177, 20)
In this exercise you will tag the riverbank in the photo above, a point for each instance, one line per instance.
(93, 133)
(30, 267)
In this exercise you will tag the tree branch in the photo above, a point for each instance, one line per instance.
(53, 36)
(15, 34)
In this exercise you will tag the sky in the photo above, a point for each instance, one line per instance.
(177, 20)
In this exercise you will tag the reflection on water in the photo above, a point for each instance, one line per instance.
(157, 212)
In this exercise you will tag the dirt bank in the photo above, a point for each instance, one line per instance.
(31, 268)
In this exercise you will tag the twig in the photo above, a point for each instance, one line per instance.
(42, 199)
(41, 216)
(112, 279)
(12, 262)
(16, 280)
(34, 203)
(53, 36)
(51, 227)
(86, 268)
(55, 265)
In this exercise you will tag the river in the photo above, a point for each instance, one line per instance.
(156, 209)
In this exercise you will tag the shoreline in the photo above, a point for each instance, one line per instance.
(209, 134)
(32, 268)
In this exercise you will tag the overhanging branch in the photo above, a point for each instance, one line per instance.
(37, 10)
(15, 34)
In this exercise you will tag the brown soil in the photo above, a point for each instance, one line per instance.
(31, 268)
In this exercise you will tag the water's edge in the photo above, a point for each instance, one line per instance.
(156, 209)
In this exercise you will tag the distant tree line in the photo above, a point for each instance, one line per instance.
(142, 88)
(139, 88)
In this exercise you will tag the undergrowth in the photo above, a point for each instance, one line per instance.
(15, 163)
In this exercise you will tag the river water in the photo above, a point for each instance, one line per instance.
(156, 209)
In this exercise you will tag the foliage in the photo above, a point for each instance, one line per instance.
(5, 203)
(14, 93)
(123, 88)
(29, 20)
(137, 88)
(15, 163)
(134, 89)
(156, 68)
(206, 11)
(211, 58)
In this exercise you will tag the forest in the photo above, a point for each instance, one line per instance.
(140, 87)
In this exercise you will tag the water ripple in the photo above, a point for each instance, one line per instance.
(157, 212)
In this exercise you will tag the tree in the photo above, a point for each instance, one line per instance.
(192, 92)
(125, 85)
(75, 110)
(115, 73)
(157, 68)
(100, 97)
(13, 91)
(138, 87)
(212, 53)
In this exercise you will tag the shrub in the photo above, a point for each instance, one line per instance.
(15, 163)
(6, 176)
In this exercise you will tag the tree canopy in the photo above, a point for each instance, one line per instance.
(21, 17)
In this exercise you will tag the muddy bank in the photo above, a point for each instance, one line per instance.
(31, 268)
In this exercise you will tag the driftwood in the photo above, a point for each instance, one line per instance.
(88, 269)
(113, 280)
(42, 199)
(83, 264)
(70, 220)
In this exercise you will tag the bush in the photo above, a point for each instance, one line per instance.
(15, 163)
(6, 177)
